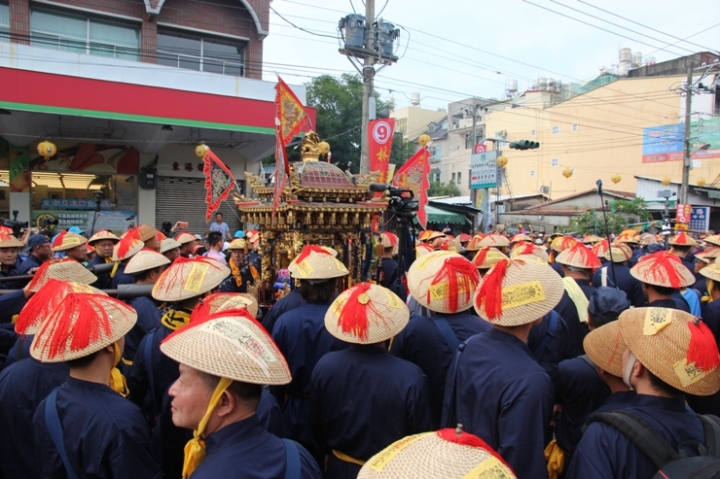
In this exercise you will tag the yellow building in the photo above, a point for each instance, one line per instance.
(604, 132)
(412, 121)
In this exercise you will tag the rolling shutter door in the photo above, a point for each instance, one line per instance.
(183, 199)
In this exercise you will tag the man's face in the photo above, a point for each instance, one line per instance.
(104, 248)
(8, 256)
(153, 244)
(237, 255)
(218, 218)
(172, 254)
(44, 251)
(190, 398)
(78, 253)
(187, 248)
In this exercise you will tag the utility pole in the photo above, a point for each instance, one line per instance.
(368, 75)
(687, 162)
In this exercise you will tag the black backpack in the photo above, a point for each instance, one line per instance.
(671, 464)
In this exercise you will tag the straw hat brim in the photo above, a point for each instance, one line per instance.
(78, 288)
(530, 290)
(185, 239)
(168, 244)
(496, 241)
(713, 239)
(318, 267)
(639, 272)
(711, 271)
(664, 352)
(145, 260)
(132, 251)
(146, 232)
(122, 318)
(245, 300)
(229, 347)
(107, 236)
(386, 318)
(605, 347)
(12, 242)
(420, 277)
(68, 270)
(428, 456)
(172, 286)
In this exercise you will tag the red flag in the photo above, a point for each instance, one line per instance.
(413, 175)
(380, 140)
(219, 182)
(280, 162)
(290, 114)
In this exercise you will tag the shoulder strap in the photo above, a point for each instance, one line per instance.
(292, 460)
(447, 332)
(148, 357)
(641, 433)
(449, 414)
(52, 420)
(585, 358)
(552, 327)
(711, 425)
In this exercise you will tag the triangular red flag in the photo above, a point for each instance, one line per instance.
(219, 182)
(413, 175)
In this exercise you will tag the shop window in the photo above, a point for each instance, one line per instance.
(555, 130)
(532, 173)
(459, 177)
(202, 53)
(554, 162)
(574, 127)
(533, 132)
(4, 21)
(81, 34)
(453, 177)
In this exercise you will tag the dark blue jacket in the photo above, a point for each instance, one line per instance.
(20, 350)
(243, 450)
(362, 400)
(386, 273)
(623, 281)
(676, 302)
(148, 318)
(503, 396)
(12, 271)
(711, 317)
(422, 343)
(558, 346)
(104, 281)
(290, 301)
(22, 387)
(11, 304)
(580, 391)
(567, 309)
(301, 336)
(605, 452)
(105, 435)
(121, 277)
(30, 262)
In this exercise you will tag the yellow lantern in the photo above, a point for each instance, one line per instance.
(201, 150)
(324, 147)
(501, 161)
(424, 140)
(567, 172)
(616, 178)
(701, 182)
(666, 181)
(46, 149)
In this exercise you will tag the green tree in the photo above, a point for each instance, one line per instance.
(443, 189)
(592, 222)
(635, 209)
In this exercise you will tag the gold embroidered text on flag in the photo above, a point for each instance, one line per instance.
(413, 175)
(290, 115)
(219, 182)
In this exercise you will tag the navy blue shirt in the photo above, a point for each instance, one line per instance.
(580, 391)
(290, 301)
(567, 309)
(558, 347)
(30, 262)
(105, 435)
(11, 271)
(22, 387)
(623, 281)
(104, 281)
(121, 277)
(244, 450)
(11, 304)
(148, 318)
(301, 336)
(422, 343)
(711, 317)
(387, 272)
(676, 302)
(20, 350)
(502, 395)
(362, 400)
(604, 452)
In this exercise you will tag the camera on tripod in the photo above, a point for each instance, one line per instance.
(17, 226)
(402, 201)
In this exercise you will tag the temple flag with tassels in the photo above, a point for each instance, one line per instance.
(413, 175)
(219, 182)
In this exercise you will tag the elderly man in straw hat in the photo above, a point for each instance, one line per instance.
(27, 381)
(187, 243)
(182, 285)
(448, 453)
(301, 335)
(102, 242)
(618, 274)
(443, 282)
(363, 399)
(84, 428)
(579, 390)
(72, 245)
(240, 274)
(662, 275)
(146, 267)
(225, 359)
(496, 389)
(669, 354)
(170, 248)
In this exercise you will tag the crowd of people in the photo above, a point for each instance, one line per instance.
(501, 357)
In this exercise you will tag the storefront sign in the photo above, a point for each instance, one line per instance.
(73, 204)
(683, 214)
(700, 218)
(116, 221)
(483, 170)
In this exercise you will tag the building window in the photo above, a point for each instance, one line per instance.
(431, 128)
(459, 177)
(574, 127)
(445, 125)
(555, 130)
(436, 175)
(554, 162)
(436, 153)
(4, 21)
(201, 53)
(453, 177)
(533, 132)
(80, 34)
(532, 173)
(401, 126)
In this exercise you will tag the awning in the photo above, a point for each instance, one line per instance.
(436, 215)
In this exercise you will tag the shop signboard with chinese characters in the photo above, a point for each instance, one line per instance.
(484, 170)
(682, 214)
(89, 221)
(700, 218)
(74, 204)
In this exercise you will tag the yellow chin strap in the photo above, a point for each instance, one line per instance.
(117, 380)
(195, 448)
(710, 285)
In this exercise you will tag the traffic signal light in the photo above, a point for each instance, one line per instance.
(524, 145)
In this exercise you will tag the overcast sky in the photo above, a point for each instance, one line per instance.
(454, 49)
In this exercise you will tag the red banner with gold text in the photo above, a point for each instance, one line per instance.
(380, 140)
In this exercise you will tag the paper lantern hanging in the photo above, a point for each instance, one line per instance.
(501, 161)
(701, 182)
(201, 150)
(666, 181)
(424, 140)
(616, 178)
(324, 147)
(567, 172)
(46, 149)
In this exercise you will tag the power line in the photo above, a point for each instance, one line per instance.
(300, 28)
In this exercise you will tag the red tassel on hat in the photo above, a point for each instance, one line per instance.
(587, 258)
(466, 439)
(527, 248)
(491, 290)
(682, 239)
(59, 239)
(663, 268)
(174, 273)
(480, 256)
(124, 246)
(41, 303)
(354, 315)
(311, 249)
(451, 269)
(133, 233)
(703, 350)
